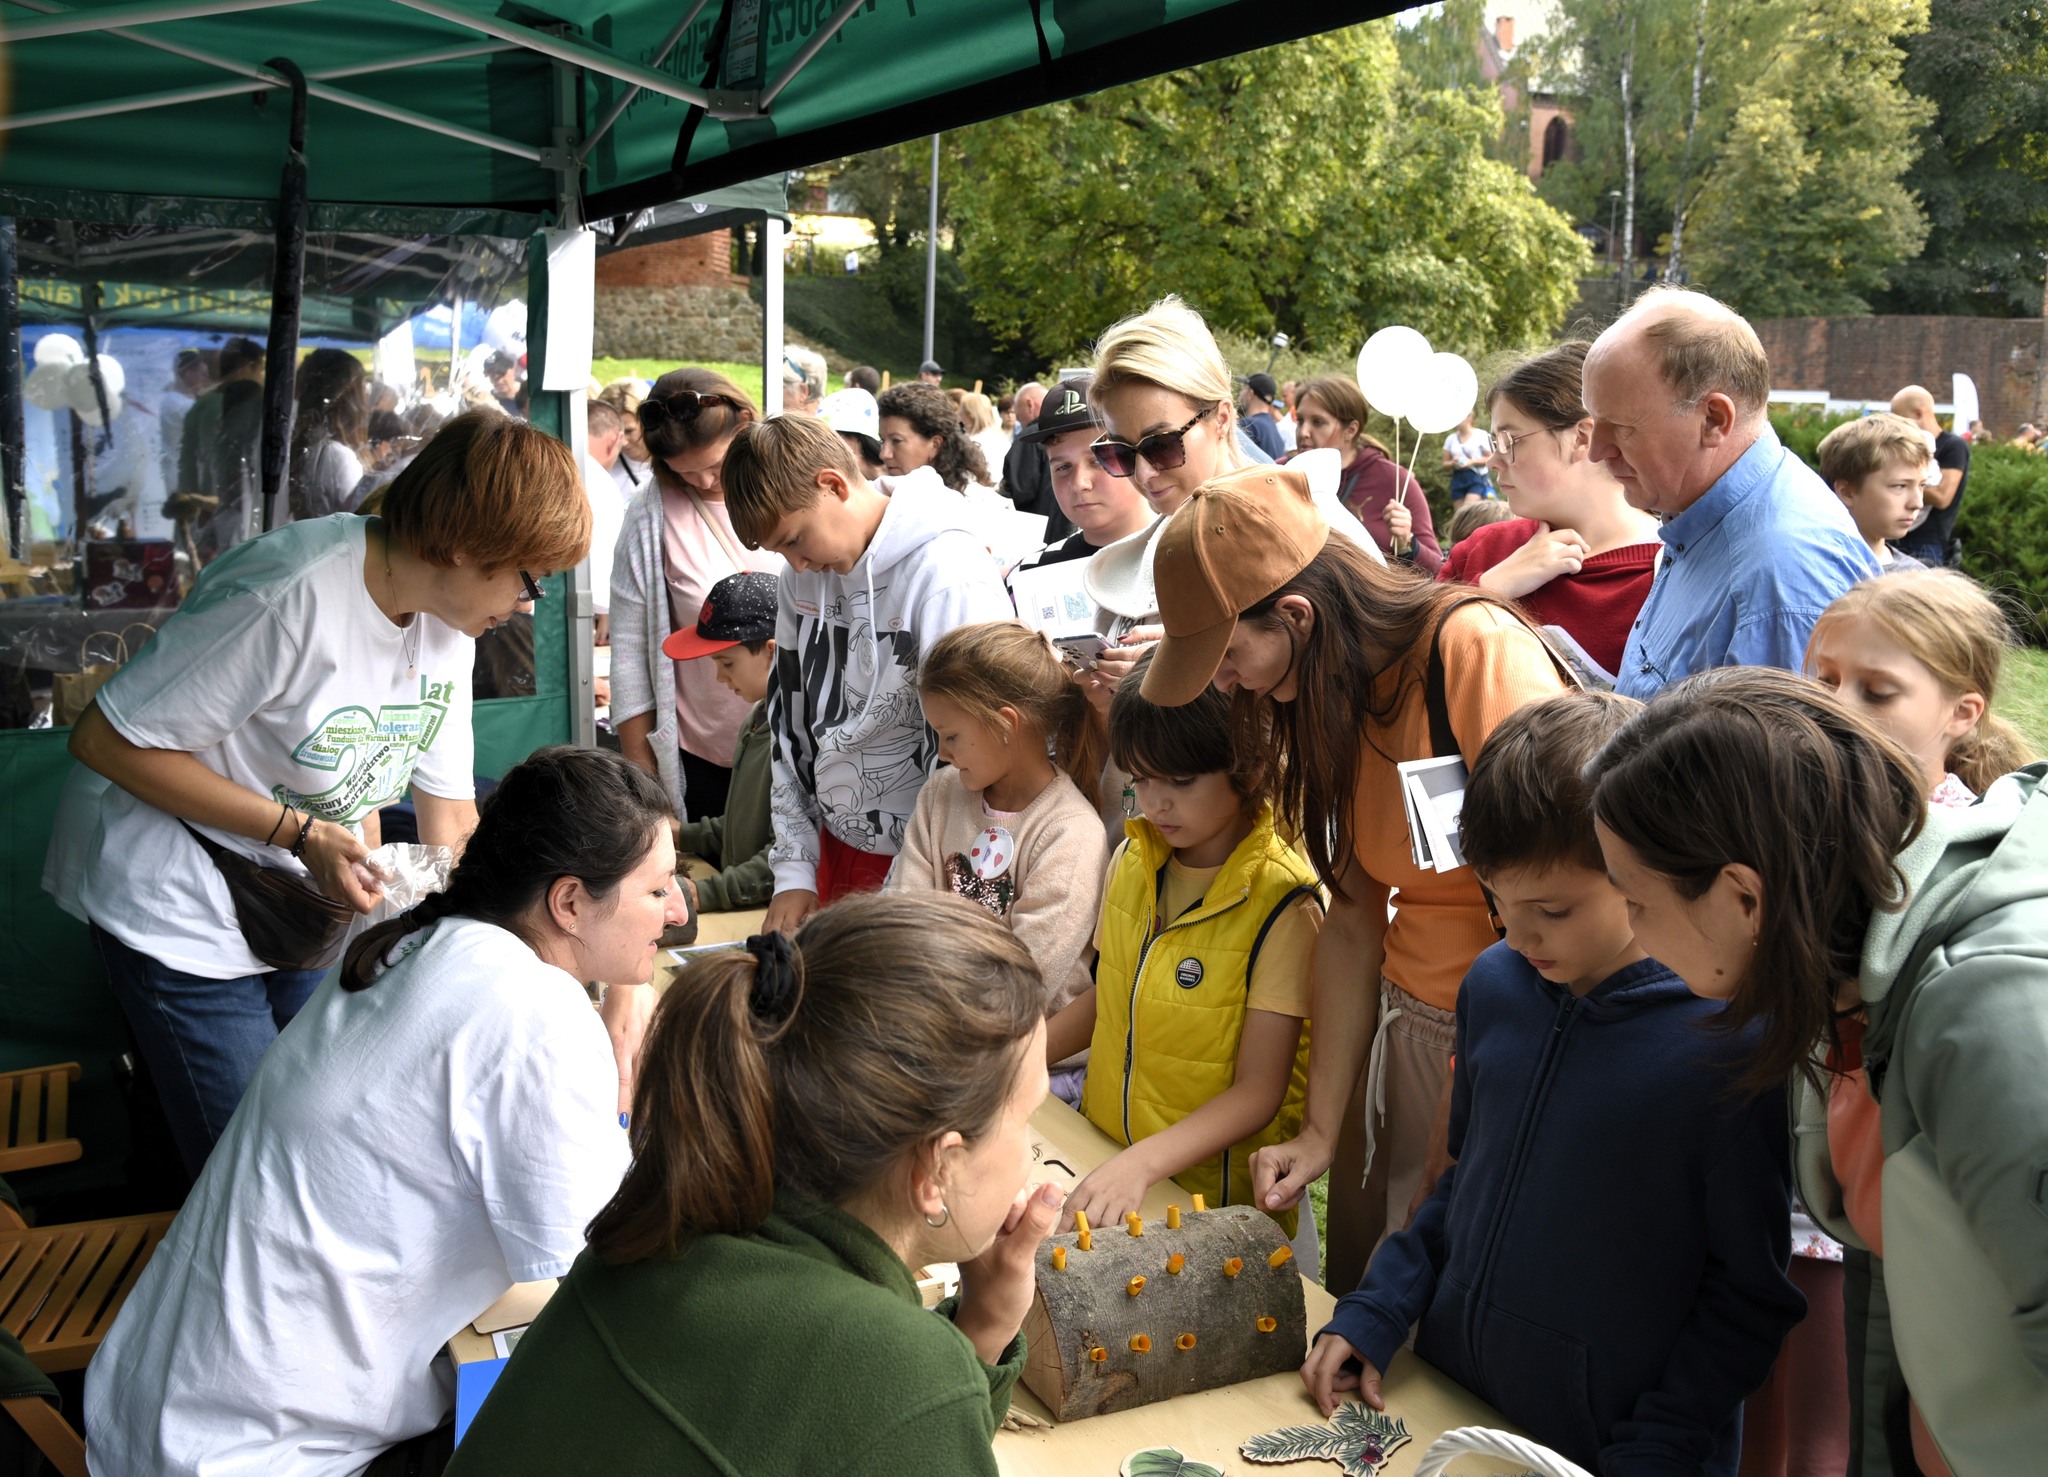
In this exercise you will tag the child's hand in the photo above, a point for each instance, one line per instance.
(1547, 555)
(1282, 1173)
(1112, 1192)
(788, 910)
(996, 1287)
(1328, 1379)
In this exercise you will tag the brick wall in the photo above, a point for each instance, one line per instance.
(1873, 357)
(693, 261)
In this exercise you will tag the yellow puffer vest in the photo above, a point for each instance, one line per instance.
(1170, 1005)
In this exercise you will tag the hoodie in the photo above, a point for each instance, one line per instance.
(1955, 991)
(1605, 1262)
(850, 746)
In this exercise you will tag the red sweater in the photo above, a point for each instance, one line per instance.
(1597, 605)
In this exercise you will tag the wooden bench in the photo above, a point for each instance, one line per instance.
(60, 1286)
(35, 1118)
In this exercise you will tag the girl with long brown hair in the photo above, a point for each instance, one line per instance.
(1004, 823)
(816, 1118)
(1343, 669)
(673, 719)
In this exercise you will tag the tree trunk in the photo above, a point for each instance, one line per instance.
(1088, 1307)
(1628, 161)
(1674, 268)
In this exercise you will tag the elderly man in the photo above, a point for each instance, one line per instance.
(1027, 476)
(1929, 543)
(1755, 546)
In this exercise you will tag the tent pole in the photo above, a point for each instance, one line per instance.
(771, 314)
(812, 47)
(106, 17)
(582, 54)
(618, 109)
(288, 281)
(13, 431)
(574, 402)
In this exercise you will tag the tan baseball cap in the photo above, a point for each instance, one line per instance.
(1236, 541)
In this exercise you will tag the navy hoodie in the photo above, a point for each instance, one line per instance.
(1605, 1263)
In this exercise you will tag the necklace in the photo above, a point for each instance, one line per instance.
(412, 627)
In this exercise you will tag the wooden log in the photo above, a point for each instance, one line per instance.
(1207, 1327)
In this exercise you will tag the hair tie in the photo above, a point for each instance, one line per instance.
(776, 976)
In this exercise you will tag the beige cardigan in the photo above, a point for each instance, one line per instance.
(1049, 894)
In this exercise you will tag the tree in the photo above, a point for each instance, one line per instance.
(1805, 209)
(1307, 188)
(1982, 174)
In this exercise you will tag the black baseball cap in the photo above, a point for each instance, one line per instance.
(741, 607)
(1262, 385)
(930, 366)
(1065, 409)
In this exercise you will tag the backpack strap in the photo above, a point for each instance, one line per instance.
(1293, 895)
(1443, 742)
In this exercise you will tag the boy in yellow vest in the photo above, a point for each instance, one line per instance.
(1198, 1051)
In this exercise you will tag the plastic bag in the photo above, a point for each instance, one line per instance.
(407, 872)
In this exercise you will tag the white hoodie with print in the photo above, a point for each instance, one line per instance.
(850, 749)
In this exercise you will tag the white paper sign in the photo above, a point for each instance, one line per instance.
(572, 305)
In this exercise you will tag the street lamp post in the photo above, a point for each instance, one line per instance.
(1613, 204)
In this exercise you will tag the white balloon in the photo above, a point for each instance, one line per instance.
(1444, 394)
(59, 349)
(79, 393)
(1389, 366)
(49, 386)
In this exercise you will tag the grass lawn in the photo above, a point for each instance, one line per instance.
(746, 376)
(2024, 701)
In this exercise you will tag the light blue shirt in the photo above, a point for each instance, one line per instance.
(1746, 572)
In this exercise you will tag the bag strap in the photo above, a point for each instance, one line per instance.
(1291, 897)
(118, 638)
(718, 531)
(1443, 742)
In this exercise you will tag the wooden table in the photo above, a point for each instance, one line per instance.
(1210, 1426)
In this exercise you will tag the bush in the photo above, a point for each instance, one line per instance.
(2003, 525)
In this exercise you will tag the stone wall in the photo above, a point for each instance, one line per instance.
(681, 323)
(1871, 358)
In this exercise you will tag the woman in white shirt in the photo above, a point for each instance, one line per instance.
(311, 677)
(439, 1122)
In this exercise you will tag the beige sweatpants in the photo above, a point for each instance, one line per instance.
(1411, 1057)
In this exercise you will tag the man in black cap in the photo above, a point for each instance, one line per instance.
(1102, 508)
(930, 373)
(1258, 420)
(1027, 482)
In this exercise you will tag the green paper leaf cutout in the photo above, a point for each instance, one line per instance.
(1164, 1461)
(1358, 1438)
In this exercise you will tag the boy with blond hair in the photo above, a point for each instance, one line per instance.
(1878, 468)
(873, 581)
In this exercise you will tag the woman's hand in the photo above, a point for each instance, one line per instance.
(626, 1012)
(788, 910)
(1400, 525)
(1547, 555)
(1115, 663)
(1115, 1189)
(1282, 1173)
(997, 1286)
(331, 854)
(1328, 1380)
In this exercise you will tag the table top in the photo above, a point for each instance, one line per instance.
(1208, 1426)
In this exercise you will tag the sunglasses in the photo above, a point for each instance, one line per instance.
(1164, 451)
(533, 591)
(681, 406)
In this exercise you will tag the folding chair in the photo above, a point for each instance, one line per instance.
(35, 1114)
(60, 1286)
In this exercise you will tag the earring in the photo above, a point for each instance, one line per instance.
(944, 1219)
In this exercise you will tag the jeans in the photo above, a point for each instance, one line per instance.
(202, 1038)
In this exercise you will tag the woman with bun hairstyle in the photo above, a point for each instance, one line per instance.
(1342, 669)
(1806, 882)
(815, 1120)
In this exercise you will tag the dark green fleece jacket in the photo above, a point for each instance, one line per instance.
(737, 842)
(801, 1348)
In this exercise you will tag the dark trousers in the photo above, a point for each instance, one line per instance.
(704, 787)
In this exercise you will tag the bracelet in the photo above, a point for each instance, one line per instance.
(299, 846)
(282, 812)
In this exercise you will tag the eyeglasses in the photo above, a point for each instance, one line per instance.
(1164, 451)
(680, 406)
(533, 591)
(1505, 444)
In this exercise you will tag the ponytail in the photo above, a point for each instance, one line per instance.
(984, 668)
(1992, 749)
(814, 1067)
(563, 812)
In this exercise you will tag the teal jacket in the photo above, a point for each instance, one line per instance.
(800, 1348)
(1955, 986)
(738, 840)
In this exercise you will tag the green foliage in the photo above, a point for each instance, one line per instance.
(1165, 1461)
(1439, 48)
(2003, 526)
(1358, 1438)
(1982, 175)
(1307, 188)
(1805, 210)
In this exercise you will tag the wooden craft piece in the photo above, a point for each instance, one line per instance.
(1107, 1332)
(1358, 1438)
(1165, 1461)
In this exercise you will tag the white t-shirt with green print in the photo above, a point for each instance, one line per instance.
(280, 673)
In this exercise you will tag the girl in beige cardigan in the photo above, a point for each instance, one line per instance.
(1004, 824)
